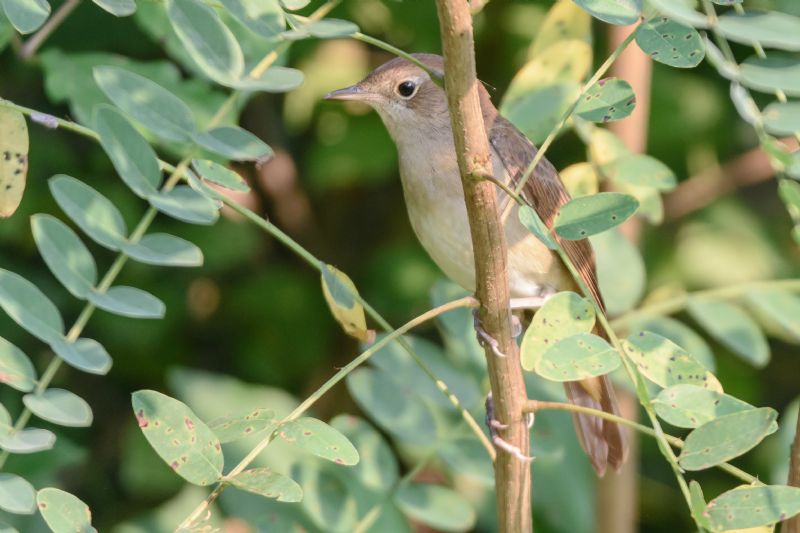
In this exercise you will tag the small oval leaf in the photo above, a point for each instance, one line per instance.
(63, 512)
(179, 437)
(186, 204)
(340, 293)
(269, 484)
(165, 250)
(14, 146)
(65, 254)
(60, 407)
(748, 506)
(16, 369)
(531, 220)
(29, 440)
(229, 429)
(732, 328)
(17, 495)
(234, 143)
(29, 307)
(435, 506)
(670, 42)
(576, 357)
(128, 301)
(726, 438)
(319, 438)
(690, 406)
(26, 16)
(84, 354)
(769, 28)
(222, 176)
(607, 100)
(589, 215)
(640, 170)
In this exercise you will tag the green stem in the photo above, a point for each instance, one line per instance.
(30, 47)
(467, 301)
(535, 406)
(679, 303)
(567, 114)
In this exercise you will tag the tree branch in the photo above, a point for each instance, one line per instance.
(512, 475)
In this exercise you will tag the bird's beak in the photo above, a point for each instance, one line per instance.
(354, 92)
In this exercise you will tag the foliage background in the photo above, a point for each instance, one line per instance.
(254, 312)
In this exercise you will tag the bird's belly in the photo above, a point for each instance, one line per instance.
(444, 233)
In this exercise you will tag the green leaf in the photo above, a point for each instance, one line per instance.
(778, 72)
(234, 143)
(782, 118)
(327, 500)
(341, 293)
(60, 407)
(731, 326)
(90, 210)
(778, 311)
(319, 438)
(665, 363)
(698, 504)
(274, 80)
(682, 11)
(438, 507)
(607, 100)
(561, 316)
(580, 356)
(640, 170)
(620, 270)
(377, 466)
(186, 204)
(26, 15)
(84, 354)
(29, 440)
(220, 175)
(537, 110)
(394, 406)
(670, 42)
(262, 17)
(179, 437)
(16, 370)
(17, 495)
(565, 22)
(269, 484)
(530, 219)
(229, 429)
(726, 437)
(209, 42)
(14, 145)
(689, 406)
(680, 334)
(165, 250)
(118, 8)
(147, 102)
(128, 301)
(63, 512)
(65, 254)
(771, 29)
(29, 307)
(619, 12)
(294, 5)
(588, 215)
(134, 159)
(748, 506)
(331, 28)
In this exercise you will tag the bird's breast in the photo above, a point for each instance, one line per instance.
(435, 202)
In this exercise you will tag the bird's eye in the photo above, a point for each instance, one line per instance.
(406, 89)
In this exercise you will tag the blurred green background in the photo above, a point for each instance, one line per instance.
(255, 312)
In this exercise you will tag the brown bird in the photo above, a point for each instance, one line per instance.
(414, 109)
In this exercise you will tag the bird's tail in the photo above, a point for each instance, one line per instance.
(603, 441)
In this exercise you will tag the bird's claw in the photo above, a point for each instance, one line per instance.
(495, 425)
(485, 339)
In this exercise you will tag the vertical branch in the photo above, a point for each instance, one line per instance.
(617, 496)
(512, 474)
(792, 525)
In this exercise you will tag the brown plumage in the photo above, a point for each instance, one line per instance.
(414, 110)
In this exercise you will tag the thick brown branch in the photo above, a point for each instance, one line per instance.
(512, 475)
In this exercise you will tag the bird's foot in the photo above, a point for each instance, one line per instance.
(485, 339)
(495, 425)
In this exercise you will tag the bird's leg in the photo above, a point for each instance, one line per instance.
(486, 339)
(495, 425)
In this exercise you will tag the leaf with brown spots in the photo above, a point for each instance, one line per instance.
(269, 484)
(64, 512)
(179, 437)
(229, 428)
(319, 438)
(13, 160)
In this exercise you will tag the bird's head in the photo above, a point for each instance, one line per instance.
(404, 95)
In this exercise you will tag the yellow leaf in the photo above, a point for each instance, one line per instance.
(341, 295)
(13, 159)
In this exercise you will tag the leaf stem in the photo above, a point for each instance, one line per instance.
(679, 303)
(30, 47)
(467, 301)
(534, 406)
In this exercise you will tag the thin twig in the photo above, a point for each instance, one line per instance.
(512, 475)
(467, 301)
(533, 406)
(30, 47)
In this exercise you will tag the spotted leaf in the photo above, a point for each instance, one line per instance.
(320, 439)
(13, 159)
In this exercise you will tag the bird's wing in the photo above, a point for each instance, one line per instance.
(544, 190)
(603, 441)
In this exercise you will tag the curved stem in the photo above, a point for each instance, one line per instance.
(534, 406)
(468, 301)
(679, 303)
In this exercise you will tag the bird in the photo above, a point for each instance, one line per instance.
(414, 110)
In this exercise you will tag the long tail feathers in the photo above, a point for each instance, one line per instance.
(603, 441)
